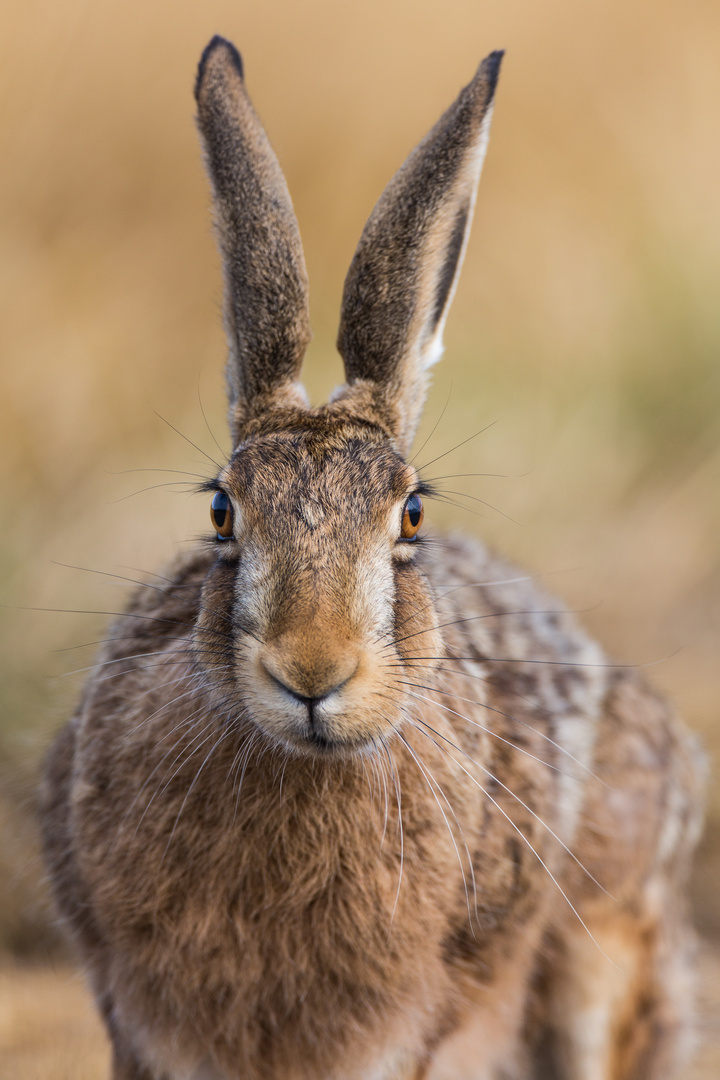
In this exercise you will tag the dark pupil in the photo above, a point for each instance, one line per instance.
(219, 508)
(414, 509)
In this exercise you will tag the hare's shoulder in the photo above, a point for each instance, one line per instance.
(158, 615)
(498, 615)
(536, 663)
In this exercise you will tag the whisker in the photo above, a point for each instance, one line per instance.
(524, 805)
(188, 626)
(153, 573)
(97, 666)
(189, 488)
(540, 859)
(191, 719)
(475, 618)
(519, 720)
(475, 498)
(243, 755)
(207, 424)
(424, 771)
(435, 426)
(187, 440)
(475, 475)
(162, 787)
(119, 577)
(386, 797)
(495, 735)
(398, 797)
(440, 596)
(224, 735)
(371, 790)
(176, 472)
(457, 446)
(377, 764)
(166, 705)
(523, 660)
(438, 496)
(282, 774)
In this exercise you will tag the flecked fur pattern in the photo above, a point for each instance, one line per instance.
(341, 805)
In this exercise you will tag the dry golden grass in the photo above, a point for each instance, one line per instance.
(49, 1029)
(586, 322)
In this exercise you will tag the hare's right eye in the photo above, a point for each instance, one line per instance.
(221, 515)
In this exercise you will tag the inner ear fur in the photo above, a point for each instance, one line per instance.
(266, 289)
(404, 272)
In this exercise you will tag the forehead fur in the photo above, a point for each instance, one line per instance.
(321, 456)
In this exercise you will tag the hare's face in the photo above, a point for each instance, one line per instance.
(315, 598)
(316, 605)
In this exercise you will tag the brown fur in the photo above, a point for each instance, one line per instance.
(313, 817)
(266, 310)
(402, 277)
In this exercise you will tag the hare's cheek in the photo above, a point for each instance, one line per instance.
(213, 637)
(416, 631)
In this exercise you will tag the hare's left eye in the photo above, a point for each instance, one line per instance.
(412, 518)
(221, 515)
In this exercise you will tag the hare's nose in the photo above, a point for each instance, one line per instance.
(309, 702)
(310, 684)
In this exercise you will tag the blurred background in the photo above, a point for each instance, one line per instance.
(586, 327)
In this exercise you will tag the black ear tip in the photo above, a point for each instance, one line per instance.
(490, 69)
(218, 42)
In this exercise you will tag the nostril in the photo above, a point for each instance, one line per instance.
(310, 703)
(308, 700)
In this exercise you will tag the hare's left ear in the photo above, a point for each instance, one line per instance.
(405, 269)
(266, 291)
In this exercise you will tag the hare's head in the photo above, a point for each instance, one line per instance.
(316, 603)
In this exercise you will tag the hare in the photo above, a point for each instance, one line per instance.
(340, 803)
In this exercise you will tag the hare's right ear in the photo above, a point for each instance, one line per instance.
(266, 290)
(403, 274)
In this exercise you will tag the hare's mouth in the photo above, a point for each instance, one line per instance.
(324, 744)
(339, 735)
(320, 742)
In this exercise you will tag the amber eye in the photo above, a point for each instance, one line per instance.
(412, 518)
(221, 515)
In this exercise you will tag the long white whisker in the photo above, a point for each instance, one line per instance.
(244, 755)
(524, 805)
(398, 797)
(519, 720)
(97, 666)
(383, 778)
(540, 859)
(430, 780)
(166, 705)
(451, 589)
(192, 720)
(489, 731)
(162, 787)
(475, 618)
(212, 750)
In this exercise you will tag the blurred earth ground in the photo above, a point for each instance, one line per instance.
(586, 330)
